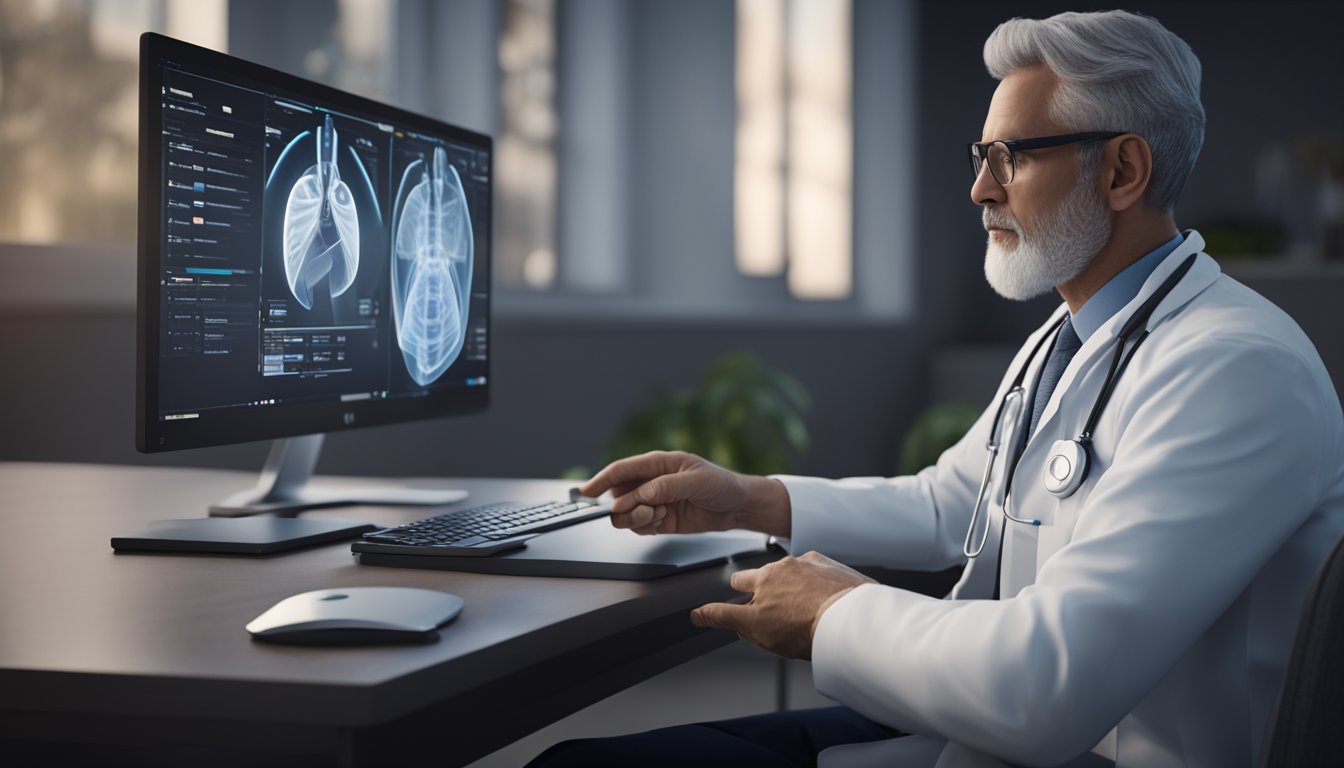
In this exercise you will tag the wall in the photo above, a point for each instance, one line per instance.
(563, 383)
(560, 388)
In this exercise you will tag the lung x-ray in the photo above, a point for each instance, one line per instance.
(321, 232)
(431, 266)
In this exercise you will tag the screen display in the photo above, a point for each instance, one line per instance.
(315, 251)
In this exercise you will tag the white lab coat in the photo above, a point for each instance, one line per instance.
(1149, 618)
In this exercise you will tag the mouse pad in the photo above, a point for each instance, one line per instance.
(595, 550)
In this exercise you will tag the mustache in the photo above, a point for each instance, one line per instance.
(994, 218)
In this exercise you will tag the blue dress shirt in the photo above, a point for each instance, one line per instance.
(1119, 290)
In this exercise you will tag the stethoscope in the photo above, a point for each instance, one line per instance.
(1067, 465)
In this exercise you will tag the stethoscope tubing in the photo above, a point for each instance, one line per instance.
(1119, 362)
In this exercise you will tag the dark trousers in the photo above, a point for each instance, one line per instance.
(775, 740)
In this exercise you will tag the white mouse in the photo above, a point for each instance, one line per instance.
(357, 616)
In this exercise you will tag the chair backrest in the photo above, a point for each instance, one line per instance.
(1309, 725)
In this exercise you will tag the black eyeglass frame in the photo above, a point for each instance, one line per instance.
(979, 150)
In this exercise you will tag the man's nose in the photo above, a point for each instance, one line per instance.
(987, 189)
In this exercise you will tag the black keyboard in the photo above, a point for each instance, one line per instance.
(479, 531)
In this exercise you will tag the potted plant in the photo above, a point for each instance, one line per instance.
(744, 416)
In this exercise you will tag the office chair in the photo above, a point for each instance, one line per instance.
(1311, 707)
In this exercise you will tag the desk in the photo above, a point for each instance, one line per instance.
(148, 652)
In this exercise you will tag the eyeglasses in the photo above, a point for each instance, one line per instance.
(1002, 155)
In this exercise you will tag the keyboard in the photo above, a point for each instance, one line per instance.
(479, 531)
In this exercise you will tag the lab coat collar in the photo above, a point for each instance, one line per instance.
(1202, 274)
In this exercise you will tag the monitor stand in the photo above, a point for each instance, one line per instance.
(284, 488)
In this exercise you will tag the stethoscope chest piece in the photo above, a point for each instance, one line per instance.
(1065, 468)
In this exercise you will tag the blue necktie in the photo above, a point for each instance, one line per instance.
(1066, 346)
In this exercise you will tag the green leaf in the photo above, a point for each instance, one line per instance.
(744, 415)
(934, 430)
(577, 472)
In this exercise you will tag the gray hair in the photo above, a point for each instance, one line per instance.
(1118, 71)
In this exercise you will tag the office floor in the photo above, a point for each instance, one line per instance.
(736, 680)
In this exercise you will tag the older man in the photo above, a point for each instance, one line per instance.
(1165, 473)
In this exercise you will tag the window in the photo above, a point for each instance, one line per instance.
(525, 256)
(635, 173)
(793, 161)
(69, 111)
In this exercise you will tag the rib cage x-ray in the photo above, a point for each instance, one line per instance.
(321, 232)
(431, 267)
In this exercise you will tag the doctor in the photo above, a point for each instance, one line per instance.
(1140, 608)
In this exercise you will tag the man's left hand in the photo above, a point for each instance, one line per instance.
(788, 598)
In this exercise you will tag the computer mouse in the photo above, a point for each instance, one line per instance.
(357, 616)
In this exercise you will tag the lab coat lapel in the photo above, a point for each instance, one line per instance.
(1202, 274)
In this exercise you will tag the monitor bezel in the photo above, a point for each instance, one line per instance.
(240, 425)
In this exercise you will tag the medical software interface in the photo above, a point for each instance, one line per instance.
(311, 255)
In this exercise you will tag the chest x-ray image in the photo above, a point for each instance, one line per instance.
(321, 230)
(431, 266)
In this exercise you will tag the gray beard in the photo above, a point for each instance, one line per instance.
(1062, 246)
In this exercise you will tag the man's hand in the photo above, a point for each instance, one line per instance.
(678, 492)
(788, 598)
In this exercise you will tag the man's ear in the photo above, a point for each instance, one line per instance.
(1130, 163)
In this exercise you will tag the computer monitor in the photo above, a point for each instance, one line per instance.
(309, 261)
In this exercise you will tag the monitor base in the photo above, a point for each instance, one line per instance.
(284, 488)
(251, 536)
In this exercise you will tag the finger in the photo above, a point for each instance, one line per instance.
(664, 489)
(721, 616)
(629, 472)
(745, 581)
(620, 489)
(658, 525)
(670, 465)
(639, 517)
(653, 529)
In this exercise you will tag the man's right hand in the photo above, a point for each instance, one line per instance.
(677, 492)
